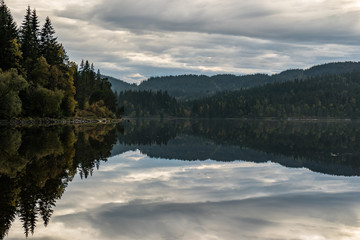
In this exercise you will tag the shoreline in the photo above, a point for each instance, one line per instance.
(55, 121)
(288, 119)
(78, 121)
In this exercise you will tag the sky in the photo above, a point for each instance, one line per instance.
(133, 40)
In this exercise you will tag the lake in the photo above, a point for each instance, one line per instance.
(181, 179)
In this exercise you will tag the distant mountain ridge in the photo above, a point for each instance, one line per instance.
(186, 87)
(119, 85)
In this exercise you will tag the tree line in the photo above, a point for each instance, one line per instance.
(147, 104)
(37, 79)
(335, 96)
(190, 87)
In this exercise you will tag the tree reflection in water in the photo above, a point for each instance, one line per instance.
(38, 163)
(330, 147)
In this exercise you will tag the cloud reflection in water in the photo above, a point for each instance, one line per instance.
(133, 196)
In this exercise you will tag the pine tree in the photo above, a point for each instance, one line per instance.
(86, 66)
(35, 26)
(98, 75)
(8, 34)
(81, 65)
(25, 34)
(29, 39)
(49, 47)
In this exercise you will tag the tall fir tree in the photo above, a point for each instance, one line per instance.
(25, 34)
(29, 39)
(8, 34)
(81, 65)
(49, 47)
(35, 27)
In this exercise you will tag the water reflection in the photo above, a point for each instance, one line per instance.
(137, 197)
(326, 147)
(141, 194)
(38, 163)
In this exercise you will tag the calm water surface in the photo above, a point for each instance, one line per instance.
(181, 180)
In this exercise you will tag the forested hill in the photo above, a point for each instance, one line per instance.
(335, 96)
(185, 87)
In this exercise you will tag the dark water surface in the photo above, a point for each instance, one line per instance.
(181, 179)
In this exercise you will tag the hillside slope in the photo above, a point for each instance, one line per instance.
(186, 87)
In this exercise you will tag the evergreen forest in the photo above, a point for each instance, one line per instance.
(190, 87)
(38, 80)
(332, 96)
(328, 96)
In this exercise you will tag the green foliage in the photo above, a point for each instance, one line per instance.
(40, 74)
(15, 57)
(45, 102)
(11, 106)
(42, 61)
(147, 103)
(100, 110)
(95, 91)
(10, 85)
(68, 105)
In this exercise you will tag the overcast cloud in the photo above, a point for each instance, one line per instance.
(133, 40)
